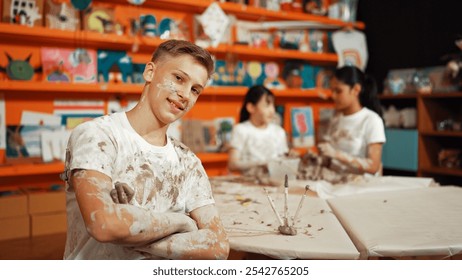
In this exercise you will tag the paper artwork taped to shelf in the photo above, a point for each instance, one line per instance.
(214, 23)
(2, 123)
(302, 127)
(23, 12)
(69, 65)
(75, 112)
(114, 67)
(24, 142)
(61, 16)
(351, 47)
(39, 118)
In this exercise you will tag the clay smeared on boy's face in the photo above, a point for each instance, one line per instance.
(174, 90)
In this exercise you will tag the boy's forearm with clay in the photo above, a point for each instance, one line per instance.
(124, 224)
(203, 243)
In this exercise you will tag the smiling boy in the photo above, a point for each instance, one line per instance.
(170, 211)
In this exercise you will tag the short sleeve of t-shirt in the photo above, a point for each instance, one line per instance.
(375, 131)
(90, 147)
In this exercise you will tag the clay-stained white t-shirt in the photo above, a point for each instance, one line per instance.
(259, 144)
(353, 133)
(165, 179)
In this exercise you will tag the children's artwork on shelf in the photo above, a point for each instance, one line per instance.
(290, 39)
(323, 76)
(114, 66)
(148, 24)
(53, 145)
(302, 127)
(224, 127)
(99, 18)
(19, 69)
(228, 73)
(217, 134)
(39, 118)
(2, 123)
(272, 80)
(315, 7)
(214, 23)
(317, 41)
(23, 12)
(69, 65)
(24, 141)
(254, 73)
(292, 74)
(115, 105)
(351, 47)
(75, 112)
(61, 16)
(192, 135)
(138, 69)
(170, 28)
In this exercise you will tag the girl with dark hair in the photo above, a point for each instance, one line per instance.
(356, 134)
(256, 139)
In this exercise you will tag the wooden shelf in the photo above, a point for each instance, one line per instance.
(398, 96)
(442, 95)
(244, 12)
(134, 89)
(442, 171)
(276, 54)
(27, 169)
(441, 133)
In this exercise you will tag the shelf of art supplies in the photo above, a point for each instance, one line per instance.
(27, 169)
(245, 12)
(87, 39)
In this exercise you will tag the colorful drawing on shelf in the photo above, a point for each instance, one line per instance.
(61, 16)
(254, 73)
(23, 12)
(302, 127)
(99, 19)
(18, 69)
(66, 65)
(23, 141)
(272, 76)
(148, 25)
(74, 112)
(228, 73)
(116, 62)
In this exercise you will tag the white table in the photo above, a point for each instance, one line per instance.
(252, 225)
(403, 224)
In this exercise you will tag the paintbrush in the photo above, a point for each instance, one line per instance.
(300, 206)
(273, 207)
(286, 201)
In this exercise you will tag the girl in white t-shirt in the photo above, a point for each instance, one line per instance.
(256, 139)
(356, 134)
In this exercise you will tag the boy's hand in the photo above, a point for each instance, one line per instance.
(122, 193)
